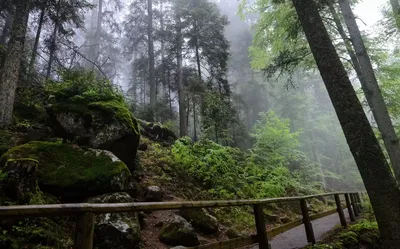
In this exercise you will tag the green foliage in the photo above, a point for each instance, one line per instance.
(218, 116)
(229, 173)
(219, 168)
(274, 144)
(364, 234)
(78, 86)
(82, 92)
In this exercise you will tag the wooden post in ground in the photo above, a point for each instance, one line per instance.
(260, 225)
(339, 209)
(349, 208)
(84, 231)
(354, 204)
(307, 222)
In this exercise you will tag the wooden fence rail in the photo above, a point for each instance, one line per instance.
(86, 213)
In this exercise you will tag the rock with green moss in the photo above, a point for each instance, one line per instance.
(70, 172)
(118, 230)
(157, 132)
(178, 232)
(201, 220)
(92, 112)
(233, 233)
(18, 181)
(102, 125)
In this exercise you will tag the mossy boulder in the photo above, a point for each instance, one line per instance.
(5, 137)
(116, 230)
(178, 232)
(157, 132)
(92, 112)
(18, 181)
(201, 220)
(70, 172)
(233, 233)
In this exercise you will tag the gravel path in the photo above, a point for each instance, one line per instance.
(296, 237)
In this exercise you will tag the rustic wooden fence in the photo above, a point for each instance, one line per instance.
(86, 216)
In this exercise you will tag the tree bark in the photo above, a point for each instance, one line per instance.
(163, 84)
(12, 63)
(396, 11)
(372, 90)
(37, 38)
(181, 96)
(152, 78)
(6, 28)
(375, 171)
(52, 46)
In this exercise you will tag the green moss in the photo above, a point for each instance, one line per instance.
(119, 110)
(5, 137)
(66, 167)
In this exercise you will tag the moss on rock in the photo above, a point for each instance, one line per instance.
(71, 172)
(5, 137)
(92, 112)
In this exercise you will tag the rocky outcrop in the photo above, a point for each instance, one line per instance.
(101, 125)
(232, 233)
(154, 193)
(18, 180)
(157, 132)
(117, 230)
(70, 172)
(178, 232)
(201, 220)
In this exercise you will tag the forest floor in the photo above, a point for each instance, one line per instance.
(296, 237)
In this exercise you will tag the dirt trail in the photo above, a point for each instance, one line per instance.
(296, 237)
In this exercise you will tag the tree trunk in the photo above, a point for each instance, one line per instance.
(181, 96)
(152, 78)
(98, 31)
(372, 90)
(52, 50)
(37, 38)
(6, 28)
(12, 63)
(375, 171)
(163, 84)
(194, 119)
(396, 11)
(169, 94)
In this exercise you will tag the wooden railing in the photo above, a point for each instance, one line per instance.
(86, 216)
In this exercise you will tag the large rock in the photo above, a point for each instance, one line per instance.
(18, 181)
(157, 132)
(116, 230)
(178, 232)
(154, 193)
(70, 172)
(101, 125)
(201, 220)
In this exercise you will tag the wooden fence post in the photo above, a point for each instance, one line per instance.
(339, 209)
(349, 208)
(260, 225)
(353, 203)
(307, 221)
(84, 231)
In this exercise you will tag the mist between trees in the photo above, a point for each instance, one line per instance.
(239, 73)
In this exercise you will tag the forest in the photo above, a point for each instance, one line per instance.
(109, 101)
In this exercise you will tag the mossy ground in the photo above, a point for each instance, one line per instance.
(66, 166)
